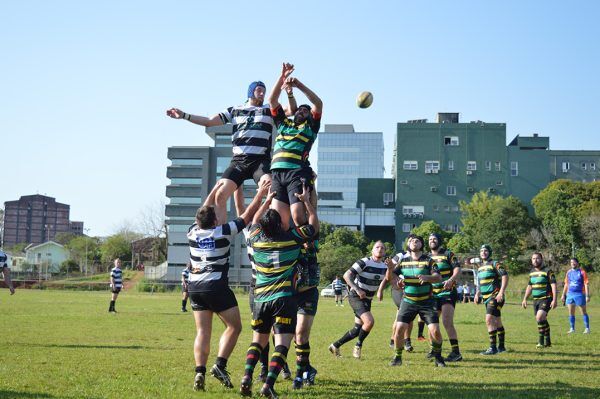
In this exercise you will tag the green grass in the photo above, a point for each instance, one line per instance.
(64, 344)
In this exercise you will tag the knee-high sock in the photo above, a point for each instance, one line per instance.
(572, 321)
(362, 335)
(264, 356)
(302, 358)
(277, 361)
(252, 357)
(586, 321)
(421, 328)
(350, 335)
(454, 345)
(541, 331)
(492, 336)
(501, 334)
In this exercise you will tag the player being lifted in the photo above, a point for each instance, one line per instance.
(251, 137)
(493, 280)
(542, 284)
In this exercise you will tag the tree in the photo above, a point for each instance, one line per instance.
(115, 246)
(81, 246)
(428, 227)
(63, 238)
(152, 223)
(335, 260)
(502, 222)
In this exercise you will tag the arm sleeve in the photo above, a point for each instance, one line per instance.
(304, 233)
(501, 270)
(237, 225)
(226, 116)
(551, 277)
(315, 122)
(278, 115)
(585, 277)
(358, 266)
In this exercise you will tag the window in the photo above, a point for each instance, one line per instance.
(583, 166)
(455, 228)
(472, 165)
(488, 165)
(450, 165)
(447, 208)
(450, 190)
(413, 211)
(454, 208)
(432, 166)
(187, 162)
(222, 164)
(388, 198)
(514, 168)
(331, 196)
(451, 140)
(499, 183)
(406, 227)
(186, 181)
(592, 166)
(436, 208)
(410, 165)
(498, 167)
(565, 167)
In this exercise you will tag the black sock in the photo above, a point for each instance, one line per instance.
(421, 328)
(454, 345)
(350, 335)
(252, 357)
(221, 362)
(112, 305)
(264, 356)
(277, 361)
(407, 342)
(547, 332)
(392, 341)
(183, 303)
(501, 337)
(302, 359)
(201, 369)
(362, 335)
(492, 336)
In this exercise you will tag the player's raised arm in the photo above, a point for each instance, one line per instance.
(317, 104)
(286, 70)
(176, 113)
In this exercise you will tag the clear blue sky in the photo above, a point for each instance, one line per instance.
(84, 85)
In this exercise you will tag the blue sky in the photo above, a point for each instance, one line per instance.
(85, 85)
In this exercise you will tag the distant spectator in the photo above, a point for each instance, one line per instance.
(6, 272)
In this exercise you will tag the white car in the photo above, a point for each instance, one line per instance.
(328, 291)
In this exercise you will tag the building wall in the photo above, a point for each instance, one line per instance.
(575, 165)
(48, 254)
(34, 219)
(471, 157)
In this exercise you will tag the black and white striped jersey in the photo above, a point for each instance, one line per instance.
(185, 275)
(3, 260)
(368, 275)
(209, 254)
(117, 277)
(252, 130)
(250, 251)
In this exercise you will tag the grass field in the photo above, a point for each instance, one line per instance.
(64, 344)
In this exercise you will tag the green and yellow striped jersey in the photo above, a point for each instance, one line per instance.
(414, 291)
(489, 276)
(293, 142)
(540, 282)
(446, 263)
(276, 261)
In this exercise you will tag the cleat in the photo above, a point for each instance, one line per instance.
(439, 361)
(571, 331)
(501, 349)
(408, 347)
(392, 344)
(454, 357)
(335, 350)
(539, 346)
(586, 331)
(183, 310)
(246, 386)
(263, 374)
(396, 361)
(298, 383)
(286, 374)
(429, 355)
(199, 382)
(309, 375)
(420, 338)
(490, 351)
(548, 345)
(356, 352)
(268, 392)
(221, 375)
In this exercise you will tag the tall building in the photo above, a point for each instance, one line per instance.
(35, 219)
(193, 173)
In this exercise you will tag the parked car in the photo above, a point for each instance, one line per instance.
(328, 291)
(468, 276)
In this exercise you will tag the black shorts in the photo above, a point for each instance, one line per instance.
(287, 182)
(426, 310)
(240, 170)
(215, 301)
(542, 304)
(441, 301)
(359, 306)
(115, 290)
(494, 307)
(308, 301)
(337, 292)
(279, 314)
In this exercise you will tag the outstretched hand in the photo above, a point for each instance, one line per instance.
(175, 113)
(286, 70)
(305, 195)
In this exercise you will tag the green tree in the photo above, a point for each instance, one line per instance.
(63, 238)
(428, 227)
(81, 246)
(502, 222)
(335, 260)
(115, 246)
